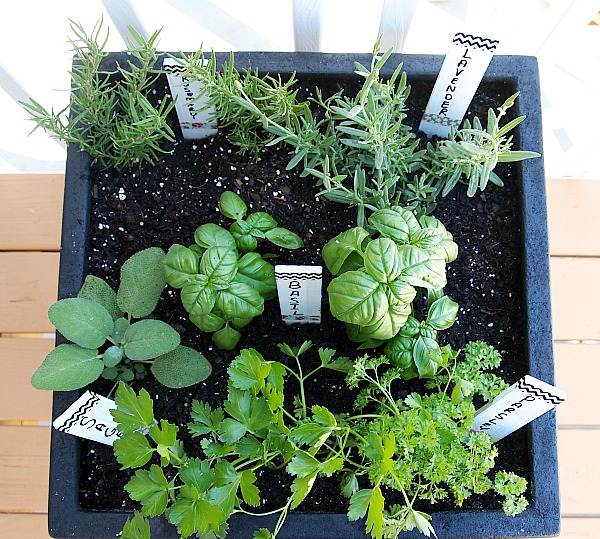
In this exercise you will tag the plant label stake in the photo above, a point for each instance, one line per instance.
(195, 122)
(89, 417)
(299, 291)
(516, 406)
(460, 76)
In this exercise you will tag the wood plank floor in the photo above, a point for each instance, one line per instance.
(30, 211)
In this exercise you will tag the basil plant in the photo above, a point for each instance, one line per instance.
(376, 277)
(415, 350)
(249, 231)
(107, 343)
(221, 290)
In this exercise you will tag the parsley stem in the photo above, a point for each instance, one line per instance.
(301, 380)
(240, 510)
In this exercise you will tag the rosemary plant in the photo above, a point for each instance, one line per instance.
(110, 117)
(274, 98)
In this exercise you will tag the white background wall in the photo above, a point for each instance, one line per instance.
(34, 55)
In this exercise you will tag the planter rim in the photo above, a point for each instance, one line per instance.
(66, 518)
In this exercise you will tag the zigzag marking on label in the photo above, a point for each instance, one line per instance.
(301, 276)
(441, 120)
(536, 391)
(82, 410)
(173, 69)
(475, 41)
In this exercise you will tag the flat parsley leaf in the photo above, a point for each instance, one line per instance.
(250, 491)
(151, 489)
(132, 450)
(248, 371)
(133, 412)
(136, 527)
(205, 419)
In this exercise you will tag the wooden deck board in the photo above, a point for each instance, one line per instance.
(24, 454)
(575, 297)
(24, 526)
(579, 528)
(30, 211)
(573, 209)
(579, 472)
(28, 286)
(577, 371)
(19, 357)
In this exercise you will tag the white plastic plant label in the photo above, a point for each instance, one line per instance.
(89, 417)
(456, 84)
(189, 100)
(299, 291)
(516, 406)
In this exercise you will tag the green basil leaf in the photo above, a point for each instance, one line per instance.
(402, 291)
(180, 265)
(400, 351)
(197, 249)
(344, 252)
(427, 356)
(239, 323)
(382, 260)
(390, 224)
(68, 367)
(226, 338)
(112, 356)
(211, 235)
(442, 313)
(232, 206)
(261, 221)
(142, 282)
(411, 328)
(445, 248)
(385, 328)
(240, 301)
(82, 321)
(148, 339)
(208, 322)
(246, 242)
(282, 237)
(357, 298)
(181, 367)
(239, 228)
(257, 273)
(219, 264)
(98, 290)
(427, 238)
(198, 298)
(418, 269)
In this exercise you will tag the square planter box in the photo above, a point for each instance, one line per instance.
(542, 518)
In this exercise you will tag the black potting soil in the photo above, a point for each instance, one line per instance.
(163, 204)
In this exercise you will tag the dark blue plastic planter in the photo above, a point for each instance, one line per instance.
(542, 518)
